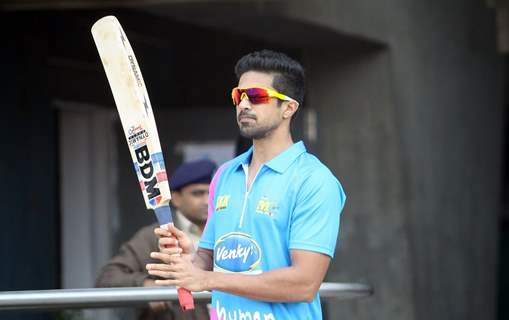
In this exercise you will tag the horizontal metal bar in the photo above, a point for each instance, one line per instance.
(344, 291)
(123, 297)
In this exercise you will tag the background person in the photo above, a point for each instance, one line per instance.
(189, 189)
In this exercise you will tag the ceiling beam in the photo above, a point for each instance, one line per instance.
(18, 5)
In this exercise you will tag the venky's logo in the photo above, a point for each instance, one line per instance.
(237, 252)
(222, 202)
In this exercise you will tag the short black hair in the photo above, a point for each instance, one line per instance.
(289, 76)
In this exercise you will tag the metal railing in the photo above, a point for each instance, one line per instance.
(131, 297)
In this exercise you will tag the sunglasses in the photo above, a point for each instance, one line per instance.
(256, 95)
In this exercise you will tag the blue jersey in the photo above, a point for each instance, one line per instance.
(294, 202)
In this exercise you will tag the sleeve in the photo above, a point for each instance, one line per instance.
(127, 268)
(207, 239)
(315, 220)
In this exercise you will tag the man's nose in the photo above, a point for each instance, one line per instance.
(244, 102)
(205, 198)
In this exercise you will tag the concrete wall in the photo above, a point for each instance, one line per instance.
(417, 139)
(408, 97)
(359, 139)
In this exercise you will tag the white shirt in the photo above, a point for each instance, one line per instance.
(188, 227)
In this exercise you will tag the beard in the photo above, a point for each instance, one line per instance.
(197, 216)
(197, 220)
(252, 130)
(255, 133)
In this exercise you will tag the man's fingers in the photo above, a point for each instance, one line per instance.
(161, 274)
(164, 257)
(159, 266)
(171, 251)
(175, 231)
(165, 242)
(167, 282)
(169, 230)
(162, 232)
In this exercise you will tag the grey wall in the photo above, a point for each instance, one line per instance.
(408, 95)
(359, 140)
(416, 138)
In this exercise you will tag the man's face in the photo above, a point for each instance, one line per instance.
(257, 121)
(192, 201)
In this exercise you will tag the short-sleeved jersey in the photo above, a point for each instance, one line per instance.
(294, 202)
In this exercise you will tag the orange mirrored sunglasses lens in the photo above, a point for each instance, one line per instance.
(255, 95)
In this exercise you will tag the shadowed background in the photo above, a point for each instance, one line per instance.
(406, 103)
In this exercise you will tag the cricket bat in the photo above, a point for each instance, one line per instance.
(135, 111)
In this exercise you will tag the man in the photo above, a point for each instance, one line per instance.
(273, 211)
(189, 185)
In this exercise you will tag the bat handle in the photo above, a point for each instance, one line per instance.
(164, 218)
(185, 299)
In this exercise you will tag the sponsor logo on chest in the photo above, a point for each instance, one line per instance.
(237, 252)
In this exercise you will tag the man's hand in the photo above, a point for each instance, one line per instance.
(174, 241)
(178, 271)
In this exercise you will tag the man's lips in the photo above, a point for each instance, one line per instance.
(246, 117)
(243, 119)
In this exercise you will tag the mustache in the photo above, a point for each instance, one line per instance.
(246, 114)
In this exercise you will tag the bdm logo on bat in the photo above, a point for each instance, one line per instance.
(147, 171)
(137, 139)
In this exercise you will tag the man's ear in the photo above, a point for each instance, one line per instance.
(290, 109)
(176, 199)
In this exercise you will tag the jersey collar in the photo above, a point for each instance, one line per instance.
(279, 163)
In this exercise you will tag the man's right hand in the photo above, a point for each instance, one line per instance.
(174, 241)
